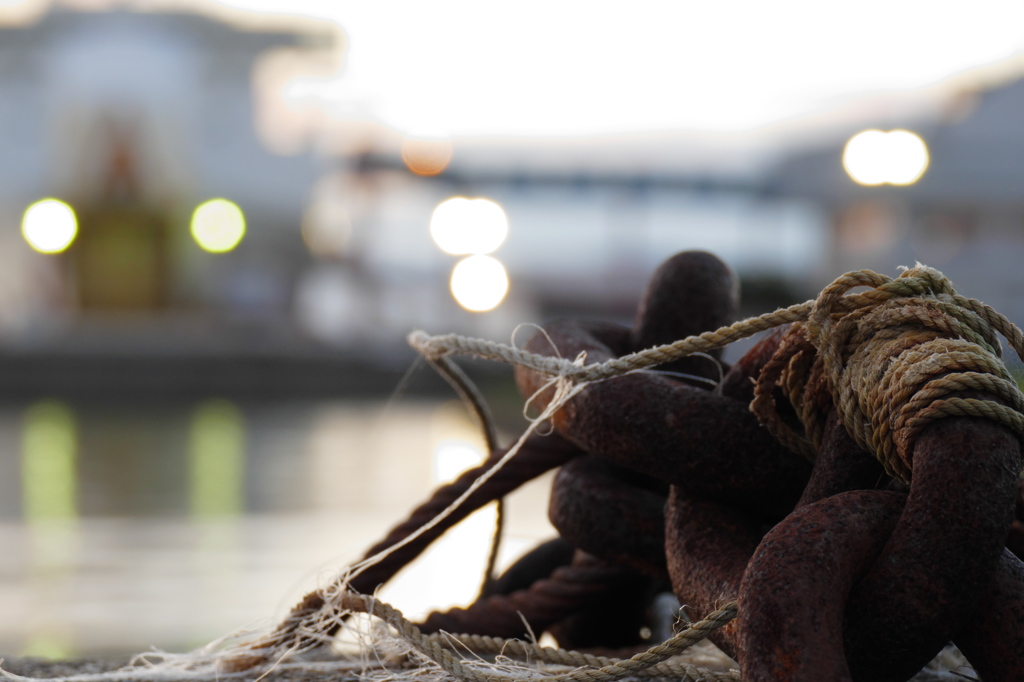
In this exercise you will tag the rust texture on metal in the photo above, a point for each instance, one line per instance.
(628, 508)
(586, 603)
(689, 293)
(708, 546)
(794, 592)
(668, 480)
(708, 444)
(992, 638)
(840, 466)
(1015, 540)
(942, 553)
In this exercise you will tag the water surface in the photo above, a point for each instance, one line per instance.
(131, 526)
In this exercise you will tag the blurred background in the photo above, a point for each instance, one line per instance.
(219, 220)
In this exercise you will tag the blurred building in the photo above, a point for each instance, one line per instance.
(136, 118)
(965, 215)
(133, 119)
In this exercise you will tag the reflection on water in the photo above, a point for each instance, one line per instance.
(125, 527)
(49, 447)
(216, 460)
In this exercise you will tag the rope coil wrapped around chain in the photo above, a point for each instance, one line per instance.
(888, 359)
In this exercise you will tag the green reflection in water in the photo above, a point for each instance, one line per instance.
(49, 454)
(48, 645)
(216, 460)
(48, 468)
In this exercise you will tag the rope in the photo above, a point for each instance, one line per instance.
(651, 663)
(449, 344)
(886, 358)
(890, 362)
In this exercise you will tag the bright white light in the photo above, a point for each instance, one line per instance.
(49, 226)
(218, 225)
(479, 283)
(452, 457)
(865, 159)
(909, 155)
(460, 226)
(873, 157)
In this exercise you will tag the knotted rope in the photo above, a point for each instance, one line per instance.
(888, 363)
(886, 358)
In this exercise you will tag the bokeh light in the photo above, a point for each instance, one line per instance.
(909, 157)
(218, 225)
(424, 156)
(49, 226)
(873, 157)
(479, 283)
(462, 226)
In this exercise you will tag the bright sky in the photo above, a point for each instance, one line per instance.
(570, 67)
